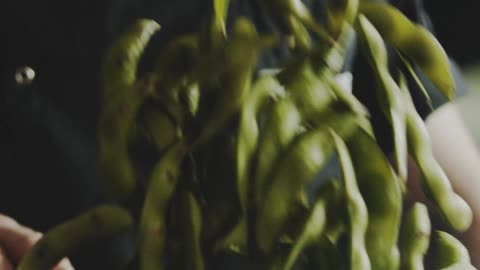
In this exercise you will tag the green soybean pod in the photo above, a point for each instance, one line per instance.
(305, 157)
(119, 68)
(248, 131)
(453, 208)
(414, 41)
(192, 258)
(340, 14)
(160, 129)
(356, 208)
(122, 97)
(217, 171)
(220, 8)
(388, 92)
(415, 77)
(264, 88)
(176, 69)
(315, 225)
(296, 8)
(450, 253)
(382, 191)
(115, 125)
(344, 97)
(152, 230)
(302, 42)
(309, 92)
(326, 254)
(332, 58)
(283, 123)
(102, 222)
(177, 59)
(415, 237)
(241, 56)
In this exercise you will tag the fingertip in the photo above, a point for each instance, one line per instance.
(15, 238)
(64, 264)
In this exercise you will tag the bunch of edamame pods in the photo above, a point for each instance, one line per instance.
(236, 148)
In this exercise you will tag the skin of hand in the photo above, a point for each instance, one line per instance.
(16, 240)
(457, 154)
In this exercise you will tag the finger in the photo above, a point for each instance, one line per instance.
(64, 264)
(15, 238)
(5, 264)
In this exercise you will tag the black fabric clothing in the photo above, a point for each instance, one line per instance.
(48, 127)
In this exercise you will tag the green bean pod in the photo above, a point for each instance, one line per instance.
(296, 8)
(414, 41)
(388, 92)
(305, 157)
(302, 41)
(159, 128)
(345, 98)
(217, 171)
(356, 208)
(415, 238)
(122, 98)
(453, 208)
(315, 224)
(240, 59)
(192, 258)
(326, 254)
(282, 125)
(265, 88)
(332, 57)
(63, 240)
(220, 8)
(382, 192)
(414, 76)
(340, 14)
(120, 63)
(450, 253)
(152, 231)
(176, 69)
(248, 131)
(309, 92)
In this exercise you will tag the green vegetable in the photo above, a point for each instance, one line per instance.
(388, 92)
(282, 125)
(100, 223)
(303, 159)
(247, 140)
(358, 221)
(414, 41)
(450, 253)
(122, 98)
(415, 237)
(382, 191)
(454, 209)
(241, 57)
(314, 226)
(153, 217)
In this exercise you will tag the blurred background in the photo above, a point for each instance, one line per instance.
(456, 26)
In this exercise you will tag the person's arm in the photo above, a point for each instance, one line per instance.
(16, 240)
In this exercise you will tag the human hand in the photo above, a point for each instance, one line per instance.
(16, 240)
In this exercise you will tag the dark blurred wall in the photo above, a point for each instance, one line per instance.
(457, 25)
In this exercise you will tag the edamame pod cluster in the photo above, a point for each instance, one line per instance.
(237, 151)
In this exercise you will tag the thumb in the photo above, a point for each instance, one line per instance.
(16, 240)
